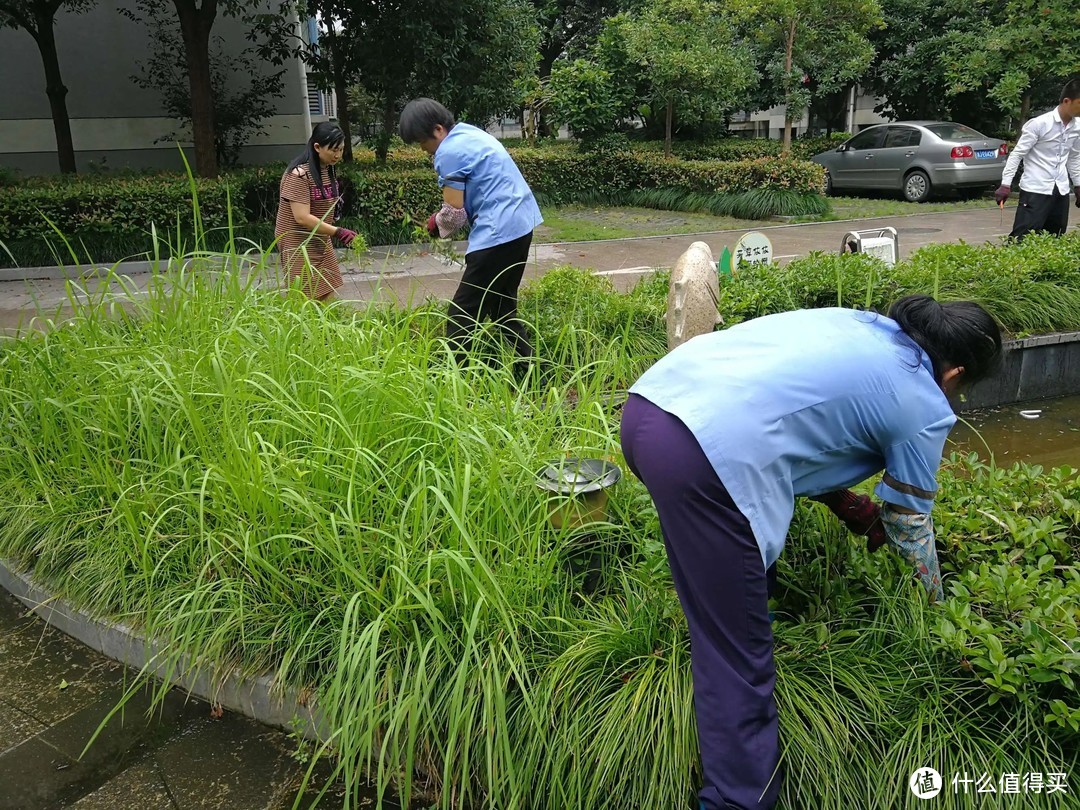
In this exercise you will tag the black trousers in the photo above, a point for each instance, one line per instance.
(1041, 212)
(488, 292)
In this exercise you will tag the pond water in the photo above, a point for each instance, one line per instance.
(1045, 432)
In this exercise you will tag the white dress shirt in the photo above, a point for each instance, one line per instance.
(1050, 149)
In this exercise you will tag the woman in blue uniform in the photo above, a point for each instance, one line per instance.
(729, 428)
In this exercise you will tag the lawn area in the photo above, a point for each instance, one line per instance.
(580, 223)
(864, 207)
(577, 223)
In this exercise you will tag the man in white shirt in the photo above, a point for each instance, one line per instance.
(1050, 148)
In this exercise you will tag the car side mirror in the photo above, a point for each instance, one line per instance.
(842, 147)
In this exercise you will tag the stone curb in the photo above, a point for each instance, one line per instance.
(257, 698)
(1032, 368)
(1052, 339)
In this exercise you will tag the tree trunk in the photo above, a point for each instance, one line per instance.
(195, 25)
(669, 114)
(56, 91)
(1025, 108)
(382, 148)
(341, 93)
(789, 49)
(544, 127)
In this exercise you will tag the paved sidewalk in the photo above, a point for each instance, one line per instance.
(407, 273)
(53, 694)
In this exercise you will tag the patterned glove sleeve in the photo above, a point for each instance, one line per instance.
(450, 220)
(913, 537)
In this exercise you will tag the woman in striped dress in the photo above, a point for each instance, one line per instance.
(310, 203)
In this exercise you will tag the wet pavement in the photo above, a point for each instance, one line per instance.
(406, 274)
(54, 693)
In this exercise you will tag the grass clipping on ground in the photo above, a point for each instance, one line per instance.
(271, 485)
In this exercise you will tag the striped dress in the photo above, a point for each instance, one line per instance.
(309, 257)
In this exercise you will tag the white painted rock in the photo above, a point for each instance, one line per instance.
(692, 296)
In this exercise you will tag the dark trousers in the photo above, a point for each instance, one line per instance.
(1041, 212)
(488, 292)
(721, 582)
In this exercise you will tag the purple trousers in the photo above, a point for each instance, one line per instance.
(721, 582)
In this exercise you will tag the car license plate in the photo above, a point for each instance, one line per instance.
(985, 154)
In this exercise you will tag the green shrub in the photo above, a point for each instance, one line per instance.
(577, 316)
(757, 204)
(747, 148)
(1031, 287)
(1013, 621)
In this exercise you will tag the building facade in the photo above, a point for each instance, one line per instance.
(115, 124)
(858, 114)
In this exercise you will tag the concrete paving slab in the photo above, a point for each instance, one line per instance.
(43, 674)
(127, 732)
(16, 727)
(141, 786)
(35, 776)
(230, 763)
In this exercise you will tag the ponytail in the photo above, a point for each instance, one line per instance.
(953, 334)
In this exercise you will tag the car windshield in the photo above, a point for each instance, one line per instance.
(955, 132)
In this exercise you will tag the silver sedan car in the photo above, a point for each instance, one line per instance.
(917, 158)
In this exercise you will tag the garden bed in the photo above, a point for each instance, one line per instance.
(265, 486)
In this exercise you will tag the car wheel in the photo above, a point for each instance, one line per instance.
(917, 186)
(828, 184)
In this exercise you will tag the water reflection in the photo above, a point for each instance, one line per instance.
(1052, 439)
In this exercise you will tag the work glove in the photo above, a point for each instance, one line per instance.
(345, 236)
(860, 514)
(1076, 194)
(432, 227)
(913, 537)
(448, 221)
(1002, 194)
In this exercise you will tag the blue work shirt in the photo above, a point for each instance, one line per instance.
(807, 402)
(500, 204)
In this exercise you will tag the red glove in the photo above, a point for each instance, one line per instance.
(432, 227)
(1002, 194)
(345, 236)
(860, 514)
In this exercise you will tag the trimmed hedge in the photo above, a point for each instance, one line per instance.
(107, 218)
(748, 148)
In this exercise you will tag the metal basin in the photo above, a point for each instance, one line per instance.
(577, 490)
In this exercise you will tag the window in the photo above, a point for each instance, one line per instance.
(870, 139)
(955, 132)
(315, 99)
(902, 136)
